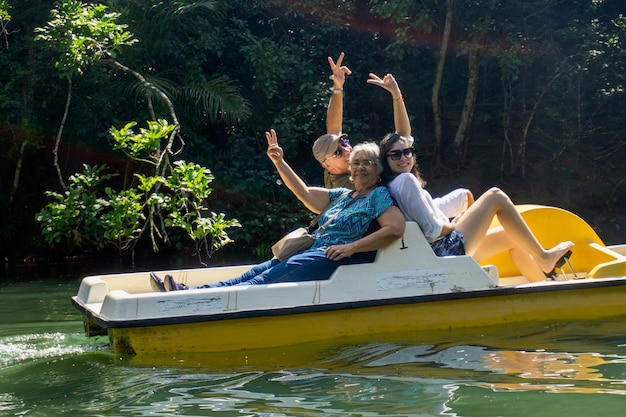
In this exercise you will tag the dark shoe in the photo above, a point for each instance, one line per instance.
(171, 285)
(563, 259)
(156, 283)
(552, 275)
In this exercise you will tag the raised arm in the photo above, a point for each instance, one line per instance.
(315, 199)
(334, 114)
(400, 115)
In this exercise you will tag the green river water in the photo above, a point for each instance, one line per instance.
(49, 368)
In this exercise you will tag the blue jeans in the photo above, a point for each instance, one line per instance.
(309, 265)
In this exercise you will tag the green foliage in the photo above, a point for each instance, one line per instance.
(146, 143)
(89, 214)
(215, 100)
(236, 68)
(407, 15)
(121, 223)
(83, 34)
(5, 16)
(75, 216)
(4, 10)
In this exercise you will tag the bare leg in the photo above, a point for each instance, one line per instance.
(496, 241)
(474, 224)
(527, 265)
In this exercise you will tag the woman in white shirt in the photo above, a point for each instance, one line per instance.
(456, 201)
(468, 233)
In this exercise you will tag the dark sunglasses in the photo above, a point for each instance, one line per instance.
(343, 143)
(396, 155)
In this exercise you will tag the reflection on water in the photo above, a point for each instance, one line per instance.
(48, 368)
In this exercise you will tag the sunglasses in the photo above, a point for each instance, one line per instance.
(343, 143)
(364, 163)
(396, 155)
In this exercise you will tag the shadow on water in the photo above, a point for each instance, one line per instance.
(78, 268)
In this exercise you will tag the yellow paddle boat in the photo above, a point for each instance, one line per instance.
(407, 288)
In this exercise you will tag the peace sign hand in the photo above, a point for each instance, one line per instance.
(274, 152)
(339, 71)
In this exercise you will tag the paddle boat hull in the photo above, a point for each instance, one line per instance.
(407, 288)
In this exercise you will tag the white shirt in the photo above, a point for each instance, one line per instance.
(453, 203)
(418, 205)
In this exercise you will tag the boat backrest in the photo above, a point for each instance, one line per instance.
(408, 267)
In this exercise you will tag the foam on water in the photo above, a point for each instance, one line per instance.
(32, 347)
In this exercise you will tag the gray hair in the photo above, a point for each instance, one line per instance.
(372, 150)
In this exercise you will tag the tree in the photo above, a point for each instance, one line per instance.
(5, 18)
(474, 47)
(90, 214)
(86, 35)
(83, 34)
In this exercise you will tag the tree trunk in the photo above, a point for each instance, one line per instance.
(477, 40)
(524, 138)
(507, 95)
(55, 152)
(460, 139)
(18, 169)
(443, 52)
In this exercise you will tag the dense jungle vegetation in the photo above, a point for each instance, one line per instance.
(148, 133)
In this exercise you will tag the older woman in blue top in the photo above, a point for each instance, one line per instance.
(343, 241)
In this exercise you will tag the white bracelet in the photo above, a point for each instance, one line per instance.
(336, 90)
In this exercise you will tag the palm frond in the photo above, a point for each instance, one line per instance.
(208, 8)
(217, 100)
(215, 8)
(139, 90)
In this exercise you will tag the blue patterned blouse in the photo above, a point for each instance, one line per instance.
(352, 222)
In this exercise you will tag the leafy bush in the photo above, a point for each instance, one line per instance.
(91, 214)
